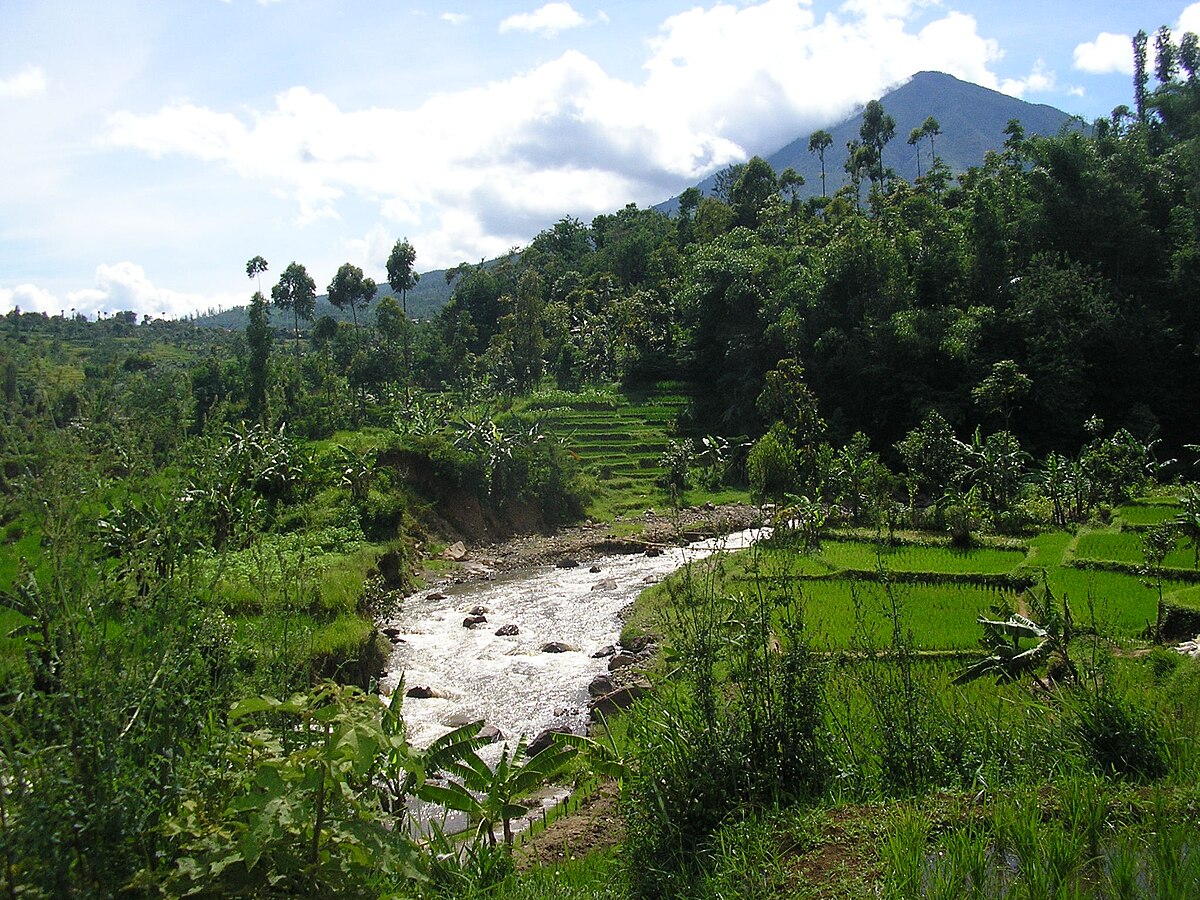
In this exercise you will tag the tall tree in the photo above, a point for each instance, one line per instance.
(349, 289)
(258, 336)
(403, 278)
(818, 142)
(755, 185)
(878, 128)
(1166, 59)
(255, 267)
(1140, 77)
(528, 336)
(914, 140)
(296, 291)
(931, 127)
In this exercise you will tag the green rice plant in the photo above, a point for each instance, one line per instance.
(916, 558)
(963, 866)
(1085, 812)
(1123, 876)
(1174, 853)
(745, 860)
(1147, 513)
(904, 854)
(1121, 546)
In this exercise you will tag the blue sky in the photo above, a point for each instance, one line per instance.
(151, 147)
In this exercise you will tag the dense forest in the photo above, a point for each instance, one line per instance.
(202, 527)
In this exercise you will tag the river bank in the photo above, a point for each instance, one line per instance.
(651, 531)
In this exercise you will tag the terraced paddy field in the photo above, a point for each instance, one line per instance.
(620, 439)
(853, 591)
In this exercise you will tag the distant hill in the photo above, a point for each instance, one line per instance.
(972, 120)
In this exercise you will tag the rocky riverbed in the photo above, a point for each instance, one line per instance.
(654, 530)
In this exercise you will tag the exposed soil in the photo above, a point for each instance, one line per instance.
(595, 825)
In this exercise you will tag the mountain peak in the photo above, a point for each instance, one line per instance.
(972, 120)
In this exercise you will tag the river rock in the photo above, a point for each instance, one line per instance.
(567, 563)
(601, 685)
(491, 734)
(391, 631)
(637, 644)
(435, 595)
(650, 579)
(621, 660)
(545, 739)
(479, 611)
(604, 652)
(473, 621)
(594, 569)
(653, 551)
(507, 631)
(558, 647)
(621, 698)
(606, 584)
(456, 552)
(420, 692)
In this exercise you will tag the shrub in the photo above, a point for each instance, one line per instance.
(771, 465)
(1119, 737)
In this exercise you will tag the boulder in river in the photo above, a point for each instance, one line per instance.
(567, 563)
(601, 685)
(491, 734)
(605, 651)
(479, 611)
(606, 584)
(507, 631)
(594, 569)
(545, 739)
(653, 551)
(558, 647)
(420, 692)
(472, 621)
(435, 595)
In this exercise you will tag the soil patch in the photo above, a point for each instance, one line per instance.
(595, 825)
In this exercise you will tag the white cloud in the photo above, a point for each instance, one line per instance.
(454, 18)
(1107, 53)
(30, 298)
(1189, 19)
(468, 174)
(547, 21)
(29, 82)
(1038, 79)
(125, 285)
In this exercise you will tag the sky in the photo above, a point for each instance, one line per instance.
(151, 147)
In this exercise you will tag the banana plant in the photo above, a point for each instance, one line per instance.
(493, 796)
(1008, 660)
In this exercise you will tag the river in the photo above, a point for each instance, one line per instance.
(510, 682)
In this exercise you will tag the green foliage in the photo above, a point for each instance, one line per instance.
(771, 465)
(292, 809)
